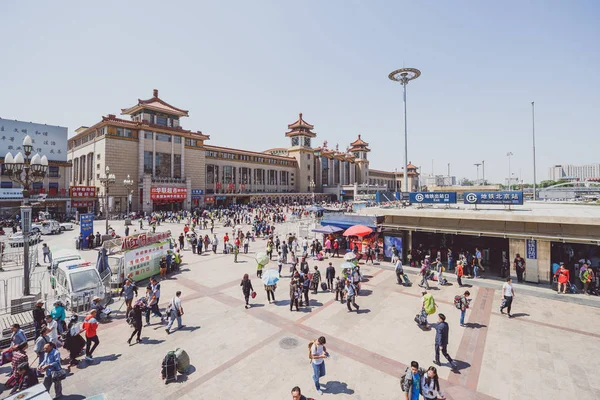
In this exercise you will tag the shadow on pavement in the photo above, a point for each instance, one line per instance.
(336, 387)
(189, 328)
(363, 311)
(520, 315)
(474, 325)
(460, 365)
(365, 292)
(147, 340)
(72, 397)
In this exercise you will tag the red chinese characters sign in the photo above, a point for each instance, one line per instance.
(143, 239)
(80, 192)
(168, 193)
(77, 204)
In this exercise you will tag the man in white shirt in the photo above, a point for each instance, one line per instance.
(508, 294)
(318, 354)
(176, 312)
(51, 330)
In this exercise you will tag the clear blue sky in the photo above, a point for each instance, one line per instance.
(245, 69)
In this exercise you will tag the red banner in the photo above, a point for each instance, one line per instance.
(209, 199)
(79, 192)
(77, 204)
(168, 193)
(142, 239)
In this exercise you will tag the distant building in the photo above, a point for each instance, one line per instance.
(574, 172)
(440, 180)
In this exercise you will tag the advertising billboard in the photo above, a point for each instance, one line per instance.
(48, 140)
(433, 197)
(86, 226)
(168, 193)
(507, 198)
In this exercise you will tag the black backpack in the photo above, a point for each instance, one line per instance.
(169, 366)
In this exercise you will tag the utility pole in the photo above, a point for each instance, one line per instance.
(477, 165)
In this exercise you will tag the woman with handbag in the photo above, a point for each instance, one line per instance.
(247, 289)
(53, 372)
(74, 343)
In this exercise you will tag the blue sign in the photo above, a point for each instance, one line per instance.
(197, 192)
(342, 192)
(220, 197)
(531, 249)
(510, 198)
(433, 197)
(86, 227)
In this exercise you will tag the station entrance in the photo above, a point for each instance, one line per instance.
(494, 250)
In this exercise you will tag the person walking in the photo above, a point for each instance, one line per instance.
(400, 272)
(459, 273)
(463, 304)
(47, 253)
(135, 318)
(297, 394)
(441, 340)
(428, 307)
(339, 289)
(330, 276)
(305, 282)
(214, 242)
(430, 385)
(424, 272)
(563, 278)
(318, 354)
(74, 343)
(199, 244)
(90, 326)
(520, 265)
(295, 292)
(175, 312)
(410, 382)
(369, 253)
(163, 267)
(508, 294)
(26, 378)
(270, 289)
(51, 363)
(351, 295)
(247, 289)
(336, 248)
(39, 318)
(316, 279)
(129, 290)
(236, 251)
(586, 275)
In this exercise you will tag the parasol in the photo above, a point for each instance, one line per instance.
(262, 258)
(350, 256)
(270, 277)
(358, 230)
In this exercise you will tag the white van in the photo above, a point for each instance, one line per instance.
(76, 284)
(61, 256)
(47, 227)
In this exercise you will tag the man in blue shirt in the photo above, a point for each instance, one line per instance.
(51, 363)
(351, 295)
(411, 381)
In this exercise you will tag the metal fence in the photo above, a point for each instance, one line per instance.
(11, 255)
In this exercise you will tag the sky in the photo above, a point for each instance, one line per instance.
(245, 69)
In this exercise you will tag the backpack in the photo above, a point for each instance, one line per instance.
(457, 301)
(129, 319)
(169, 366)
(310, 344)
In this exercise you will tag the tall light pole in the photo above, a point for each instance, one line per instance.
(405, 75)
(26, 172)
(107, 180)
(477, 165)
(312, 186)
(483, 172)
(128, 183)
(509, 154)
(533, 134)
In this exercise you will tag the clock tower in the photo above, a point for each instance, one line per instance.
(301, 135)
(359, 149)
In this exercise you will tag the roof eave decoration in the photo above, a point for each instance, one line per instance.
(359, 142)
(148, 104)
(300, 127)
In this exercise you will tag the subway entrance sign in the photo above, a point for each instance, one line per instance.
(508, 198)
(433, 197)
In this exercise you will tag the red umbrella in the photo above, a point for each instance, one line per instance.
(358, 230)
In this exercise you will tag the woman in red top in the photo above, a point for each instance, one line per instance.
(459, 273)
(563, 278)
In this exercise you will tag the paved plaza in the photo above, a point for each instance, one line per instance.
(545, 352)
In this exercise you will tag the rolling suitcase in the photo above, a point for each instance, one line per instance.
(421, 318)
(406, 280)
(323, 286)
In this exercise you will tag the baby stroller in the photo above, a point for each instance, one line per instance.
(169, 367)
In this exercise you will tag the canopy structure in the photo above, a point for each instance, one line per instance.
(346, 220)
(329, 229)
(315, 209)
(358, 230)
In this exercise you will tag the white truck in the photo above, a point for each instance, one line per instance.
(138, 255)
(47, 227)
(76, 283)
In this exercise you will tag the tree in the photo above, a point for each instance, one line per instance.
(466, 182)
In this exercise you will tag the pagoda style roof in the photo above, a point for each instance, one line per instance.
(359, 142)
(410, 166)
(359, 145)
(300, 127)
(148, 126)
(155, 104)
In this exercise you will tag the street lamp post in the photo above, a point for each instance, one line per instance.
(477, 165)
(404, 75)
(312, 186)
(128, 183)
(509, 154)
(107, 180)
(26, 172)
(533, 134)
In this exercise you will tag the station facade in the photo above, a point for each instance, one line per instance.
(174, 168)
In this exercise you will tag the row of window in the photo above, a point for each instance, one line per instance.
(243, 175)
(246, 157)
(160, 165)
